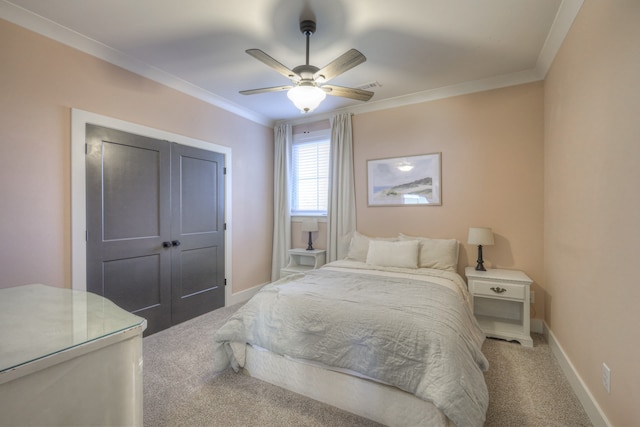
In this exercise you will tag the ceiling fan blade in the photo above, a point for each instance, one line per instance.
(343, 63)
(347, 92)
(268, 60)
(265, 90)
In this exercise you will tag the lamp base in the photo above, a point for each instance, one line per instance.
(310, 245)
(480, 262)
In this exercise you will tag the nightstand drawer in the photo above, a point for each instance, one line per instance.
(502, 290)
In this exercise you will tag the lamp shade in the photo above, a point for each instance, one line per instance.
(306, 97)
(310, 224)
(480, 236)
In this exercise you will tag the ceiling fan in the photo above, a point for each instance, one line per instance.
(309, 88)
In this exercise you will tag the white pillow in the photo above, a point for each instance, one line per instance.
(436, 253)
(359, 246)
(393, 254)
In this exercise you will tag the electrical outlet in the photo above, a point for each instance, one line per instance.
(606, 377)
(532, 297)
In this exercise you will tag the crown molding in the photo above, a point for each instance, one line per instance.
(562, 23)
(66, 36)
(490, 83)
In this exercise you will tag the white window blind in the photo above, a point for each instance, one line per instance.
(310, 175)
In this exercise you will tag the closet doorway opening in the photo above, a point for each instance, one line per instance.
(154, 233)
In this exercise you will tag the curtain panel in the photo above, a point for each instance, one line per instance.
(341, 210)
(283, 137)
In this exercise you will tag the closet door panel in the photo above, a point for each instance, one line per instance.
(131, 190)
(198, 267)
(198, 225)
(133, 282)
(128, 219)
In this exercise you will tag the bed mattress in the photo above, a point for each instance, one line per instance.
(352, 393)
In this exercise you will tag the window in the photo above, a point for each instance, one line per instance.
(310, 173)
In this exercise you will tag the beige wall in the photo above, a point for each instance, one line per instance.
(40, 81)
(592, 201)
(492, 168)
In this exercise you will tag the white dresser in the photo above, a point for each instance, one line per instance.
(68, 358)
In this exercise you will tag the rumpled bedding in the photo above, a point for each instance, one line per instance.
(410, 328)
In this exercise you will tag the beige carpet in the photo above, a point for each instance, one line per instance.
(526, 387)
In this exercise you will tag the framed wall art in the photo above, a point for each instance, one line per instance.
(405, 181)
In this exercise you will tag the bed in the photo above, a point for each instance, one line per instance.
(386, 334)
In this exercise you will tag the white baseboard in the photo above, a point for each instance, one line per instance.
(243, 296)
(591, 407)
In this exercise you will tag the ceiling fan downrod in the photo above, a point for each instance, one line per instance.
(307, 28)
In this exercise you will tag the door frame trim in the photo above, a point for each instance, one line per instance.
(79, 119)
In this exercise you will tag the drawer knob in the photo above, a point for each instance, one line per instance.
(498, 290)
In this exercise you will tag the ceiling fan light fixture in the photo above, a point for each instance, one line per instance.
(308, 88)
(306, 97)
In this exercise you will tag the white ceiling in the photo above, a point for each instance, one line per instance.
(416, 49)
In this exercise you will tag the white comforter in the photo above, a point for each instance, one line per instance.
(409, 328)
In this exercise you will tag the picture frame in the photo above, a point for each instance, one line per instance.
(405, 181)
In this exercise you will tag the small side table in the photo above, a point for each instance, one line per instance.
(302, 260)
(501, 303)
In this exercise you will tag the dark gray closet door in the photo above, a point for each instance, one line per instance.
(128, 219)
(155, 226)
(197, 232)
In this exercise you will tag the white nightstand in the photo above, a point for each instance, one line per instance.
(301, 260)
(501, 303)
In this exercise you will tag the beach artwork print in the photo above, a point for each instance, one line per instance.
(401, 181)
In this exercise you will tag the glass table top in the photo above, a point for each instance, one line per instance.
(37, 321)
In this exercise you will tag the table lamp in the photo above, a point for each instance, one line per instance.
(310, 225)
(481, 236)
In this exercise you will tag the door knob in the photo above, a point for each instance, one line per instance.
(166, 244)
(176, 243)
